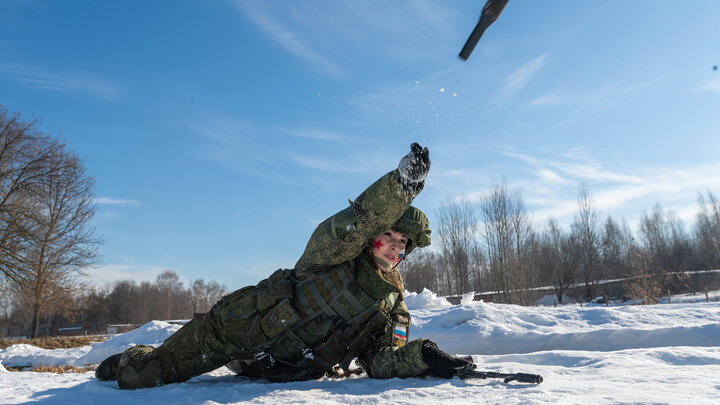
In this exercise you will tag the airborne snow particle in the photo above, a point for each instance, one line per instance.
(442, 90)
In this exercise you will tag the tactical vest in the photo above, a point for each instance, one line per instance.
(320, 321)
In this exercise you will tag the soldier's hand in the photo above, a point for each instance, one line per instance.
(414, 167)
(442, 365)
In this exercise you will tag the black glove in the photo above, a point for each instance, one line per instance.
(414, 167)
(442, 365)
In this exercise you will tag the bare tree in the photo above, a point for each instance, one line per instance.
(525, 275)
(25, 158)
(422, 270)
(559, 258)
(7, 304)
(59, 238)
(93, 309)
(586, 231)
(145, 306)
(204, 295)
(617, 243)
(455, 235)
(478, 266)
(506, 230)
(174, 300)
(707, 231)
(120, 300)
(665, 241)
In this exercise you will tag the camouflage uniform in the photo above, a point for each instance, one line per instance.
(297, 324)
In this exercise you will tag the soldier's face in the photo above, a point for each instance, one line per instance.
(388, 249)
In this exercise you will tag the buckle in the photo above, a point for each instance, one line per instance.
(340, 323)
(264, 359)
(308, 354)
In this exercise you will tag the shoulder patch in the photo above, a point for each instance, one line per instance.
(343, 223)
(399, 335)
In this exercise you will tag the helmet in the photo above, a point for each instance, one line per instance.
(415, 225)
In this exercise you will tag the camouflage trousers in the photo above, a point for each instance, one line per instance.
(206, 343)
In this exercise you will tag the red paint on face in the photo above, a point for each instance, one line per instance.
(389, 247)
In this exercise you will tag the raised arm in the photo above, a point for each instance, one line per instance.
(343, 236)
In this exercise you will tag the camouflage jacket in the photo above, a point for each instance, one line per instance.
(345, 239)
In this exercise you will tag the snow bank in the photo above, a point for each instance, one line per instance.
(2, 368)
(22, 355)
(425, 300)
(486, 328)
(467, 298)
(152, 333)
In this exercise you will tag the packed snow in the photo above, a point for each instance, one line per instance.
(616, 354)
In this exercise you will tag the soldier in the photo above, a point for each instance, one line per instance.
(343, 300)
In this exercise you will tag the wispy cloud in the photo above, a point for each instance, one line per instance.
(711, 85)
(264, 151)
(238, 144)
(335, 165)
(116, 201)
(46, 79)
(514, 82)
(581, 100)
(553, 195)
(550, 176)
(285, 37)
(551, 99)
(317, 134)
(332, 37)
(549, 181)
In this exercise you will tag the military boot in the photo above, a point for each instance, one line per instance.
(139, 367)
(106, 369)
(191, 351)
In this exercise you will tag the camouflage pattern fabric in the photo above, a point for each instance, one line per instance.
(382, 359)
(271, 319)
(343, 236)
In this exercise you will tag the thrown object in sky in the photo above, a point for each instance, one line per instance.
(490, 12)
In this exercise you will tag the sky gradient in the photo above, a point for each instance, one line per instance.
(221, 133)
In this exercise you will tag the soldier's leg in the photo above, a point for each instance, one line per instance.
(207, 342)
(191, 351)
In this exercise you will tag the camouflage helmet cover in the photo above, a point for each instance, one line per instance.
(415, 225)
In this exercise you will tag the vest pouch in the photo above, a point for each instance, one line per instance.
(270, 294)
(281, 317)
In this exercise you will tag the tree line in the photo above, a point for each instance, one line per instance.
(125, 302)
(493, 245)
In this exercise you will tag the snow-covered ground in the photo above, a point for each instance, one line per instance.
(622, 354)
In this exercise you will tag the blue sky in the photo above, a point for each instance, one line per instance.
(221, 133)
